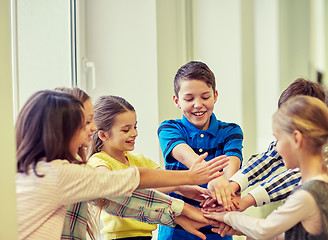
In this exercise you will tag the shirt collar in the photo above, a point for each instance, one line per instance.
(192, 130)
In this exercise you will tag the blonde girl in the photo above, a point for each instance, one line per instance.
(300, 127)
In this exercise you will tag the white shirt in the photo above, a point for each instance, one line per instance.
(299, 207)
(42, 201)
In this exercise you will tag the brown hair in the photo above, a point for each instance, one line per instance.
(309, 115)
(302, 87)
(44, 128)
(194, 70)
(82, 96)
(106, 109)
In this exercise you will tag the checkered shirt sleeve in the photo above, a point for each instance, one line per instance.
(147, 205)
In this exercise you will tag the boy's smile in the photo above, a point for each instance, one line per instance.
(196, 101)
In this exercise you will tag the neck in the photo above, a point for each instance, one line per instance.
(117, 155)
(311, 166)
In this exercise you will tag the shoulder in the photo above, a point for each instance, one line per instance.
(100, 159)
(140, 160)
(230, 129)
(171, 123)
(171, 127)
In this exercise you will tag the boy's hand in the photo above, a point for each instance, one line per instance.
(192, 226)
(221, 192)
(203, 172)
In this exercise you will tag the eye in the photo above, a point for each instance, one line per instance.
(126, 131)
(188, 99)
(205, 98)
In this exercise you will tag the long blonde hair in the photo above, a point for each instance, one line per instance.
(308, 115)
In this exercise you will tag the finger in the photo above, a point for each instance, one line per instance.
(218, 164)
(216, 230)
(235, 204)
(213, 195)
(201, 157)
(197, 233)
(225, 230)
(221, 228)
(218, 196)
(209, 202)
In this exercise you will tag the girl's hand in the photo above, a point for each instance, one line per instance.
(193, 192)
(202, 172)
(218, 216)
(225, 229)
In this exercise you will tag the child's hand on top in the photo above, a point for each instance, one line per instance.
(221, 192)
(202, 172)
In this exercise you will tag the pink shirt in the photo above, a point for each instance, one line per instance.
(42, 201)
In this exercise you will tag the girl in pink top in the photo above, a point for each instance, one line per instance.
(50, 129)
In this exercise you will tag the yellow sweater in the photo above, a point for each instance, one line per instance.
(116, 227)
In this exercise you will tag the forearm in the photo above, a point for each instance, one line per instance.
(258, 168)
(167, 189)
(147, 205)
(233, 167)
(156, 178)
(276, 189)
(184, 154)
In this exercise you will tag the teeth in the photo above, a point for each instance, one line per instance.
(198, 114)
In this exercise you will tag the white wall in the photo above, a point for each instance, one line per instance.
(219, 46)
(121, 41)
(44, 46)
(267, 71)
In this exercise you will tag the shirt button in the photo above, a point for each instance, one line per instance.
(200, 150)
(202, 135)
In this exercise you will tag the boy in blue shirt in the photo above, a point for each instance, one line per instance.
(199, 131)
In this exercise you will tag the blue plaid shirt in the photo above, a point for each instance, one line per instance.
(262, 168)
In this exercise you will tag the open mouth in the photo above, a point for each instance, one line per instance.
(198, 114)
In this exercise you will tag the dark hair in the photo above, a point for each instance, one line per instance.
(82, 96)
(302, 87)
(194, 70)
(106, 109)
(44, 128)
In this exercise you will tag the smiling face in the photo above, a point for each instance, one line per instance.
(196, 101)
(123, 133)
(90, 126)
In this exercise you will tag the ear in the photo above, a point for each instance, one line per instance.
(103, 135)
(216, 94)
(176, 101)
(298, 138)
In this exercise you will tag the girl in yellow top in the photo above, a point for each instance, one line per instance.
(116, 121)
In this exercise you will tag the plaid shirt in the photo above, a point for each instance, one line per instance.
(145, 205)
(261, 168)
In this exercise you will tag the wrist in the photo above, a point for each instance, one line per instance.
(249, 200)
(234, 187)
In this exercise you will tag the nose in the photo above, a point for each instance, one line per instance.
(93, 126)
(134, 132)
(198, 103)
